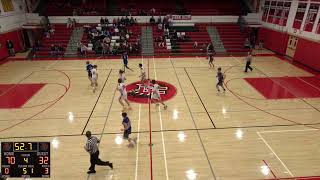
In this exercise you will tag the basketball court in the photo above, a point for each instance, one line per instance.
(265, 126)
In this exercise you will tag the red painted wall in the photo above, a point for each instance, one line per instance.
(16, 37)
(308, 53)
(274, 40)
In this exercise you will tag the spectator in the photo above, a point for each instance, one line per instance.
(106, 21)
(159, 20)
(69, 23)
(83, 50)
(60, 49)
(74, 22)
(37, 45)
(74, 12)
(132, 21)
(152, 20)
(159, 27)
(10, 48)
(102, 21)
(153, 11)
(51, 30)
(195, 45)
(53, 50)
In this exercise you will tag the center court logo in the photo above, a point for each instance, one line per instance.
(140, 93)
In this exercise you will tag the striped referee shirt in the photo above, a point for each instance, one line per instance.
(92, 145)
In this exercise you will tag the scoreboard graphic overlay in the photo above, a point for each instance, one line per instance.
(25, 159)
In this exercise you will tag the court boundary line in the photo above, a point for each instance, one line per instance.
(274, 175)
(150, 128)
(194, 123)
(275, 154)
(138, 140)
(94, 107)
(161, 127)
(194, 88)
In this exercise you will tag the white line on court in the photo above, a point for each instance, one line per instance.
(266, 143)
(161, 127)
(281, 131)
(200, 61)
(138, 140)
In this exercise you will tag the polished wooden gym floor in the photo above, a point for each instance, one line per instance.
(202, 135)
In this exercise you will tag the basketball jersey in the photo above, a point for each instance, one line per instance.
(94, 73)
(126, 120)
(143, 73)
(220, 76)
(156, 89)
(89, 67)
(122, 77)
(122, 89)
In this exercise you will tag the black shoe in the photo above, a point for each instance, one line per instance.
(111, 165)
(91, 172)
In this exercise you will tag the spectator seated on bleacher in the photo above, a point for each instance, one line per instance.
(112, 38)
(195, 45)
(69, 23)
(152, 20)
(159, 27)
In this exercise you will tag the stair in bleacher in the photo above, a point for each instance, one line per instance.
(215, 39)
(147, 41)
(232, 38)
(76, 37)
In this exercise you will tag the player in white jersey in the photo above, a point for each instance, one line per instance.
(142, 74)
(94, 77)
(122, 75)
(155, 96)
(123, 94)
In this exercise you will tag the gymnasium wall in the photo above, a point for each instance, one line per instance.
(308, 53)
(274, 40)
(15, 37)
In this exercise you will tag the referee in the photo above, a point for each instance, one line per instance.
(92, 148)
(248, 62)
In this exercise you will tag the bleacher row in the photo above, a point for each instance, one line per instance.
(231, 36)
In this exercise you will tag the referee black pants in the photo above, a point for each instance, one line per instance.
(94, 160)
(248, 66)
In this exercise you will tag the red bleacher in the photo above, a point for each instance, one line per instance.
(61, 36)
(200, 35)
(232, 38)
